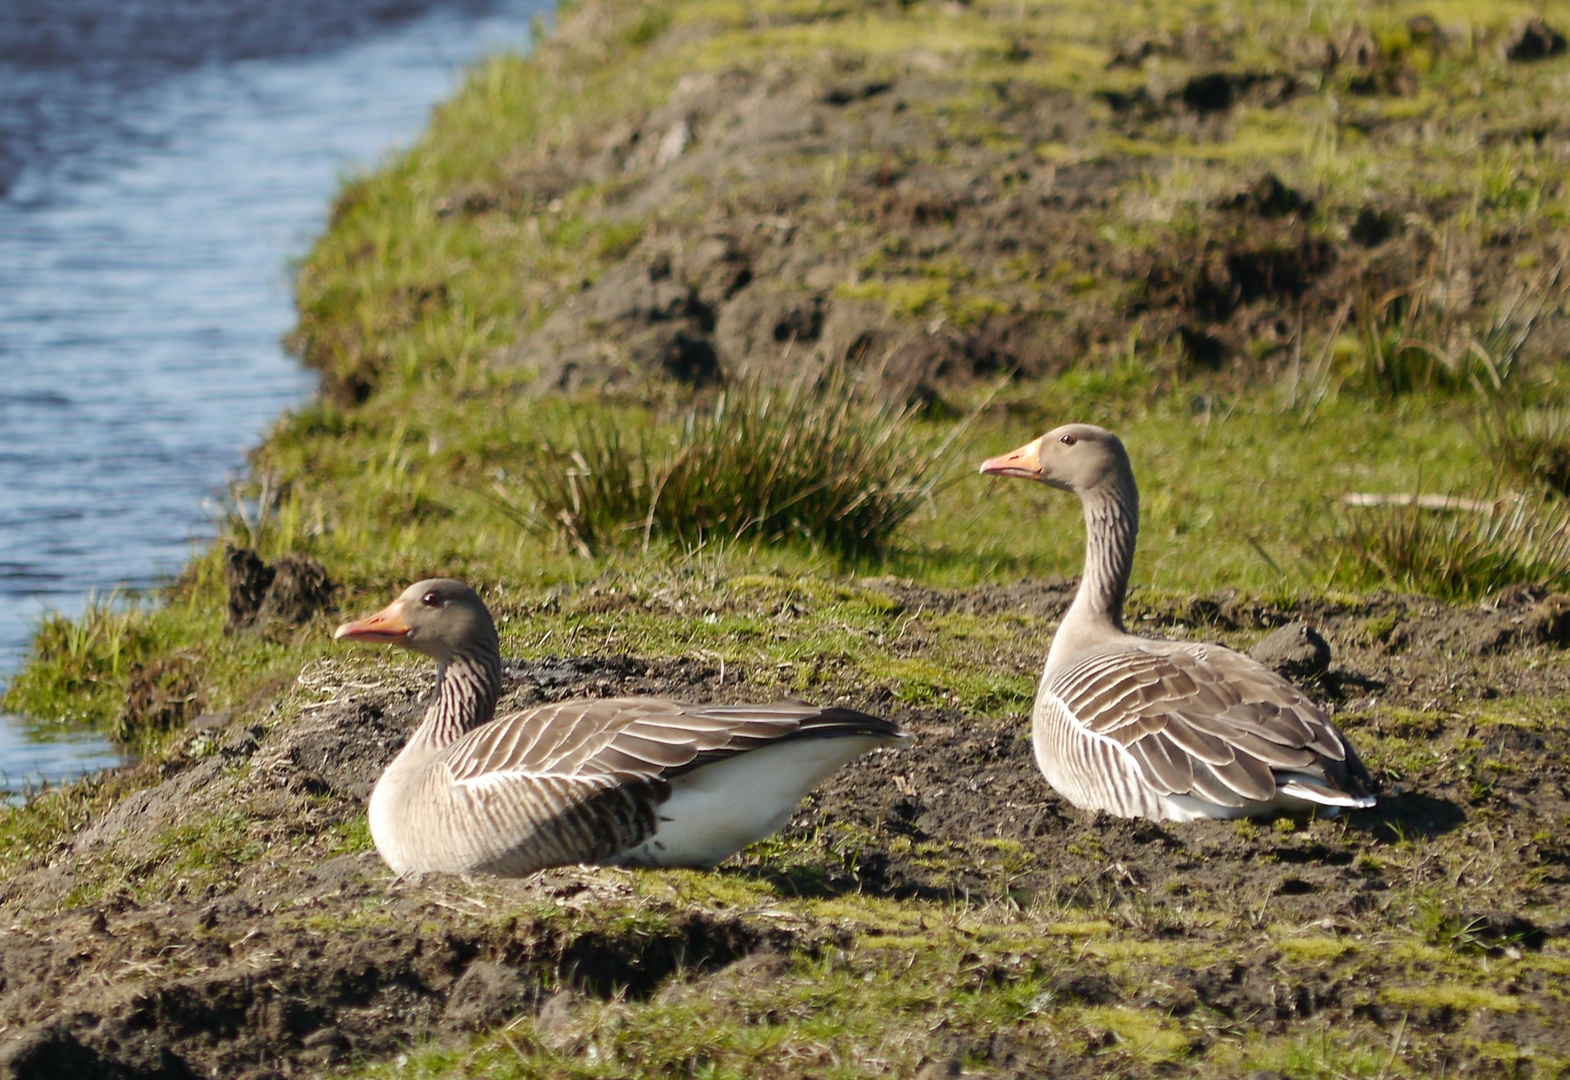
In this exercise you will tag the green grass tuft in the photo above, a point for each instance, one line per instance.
(1406, 342)
(78, 669)
(1533, 444)
(1460, 554)
(818, 462)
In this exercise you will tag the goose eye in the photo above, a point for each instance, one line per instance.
(430, 599)
(1067, 440)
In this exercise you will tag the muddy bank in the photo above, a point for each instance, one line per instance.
(940, 220)
(227, 919)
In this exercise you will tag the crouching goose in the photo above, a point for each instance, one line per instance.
(638, 781)
(1168, 730)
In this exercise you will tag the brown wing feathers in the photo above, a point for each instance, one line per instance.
(796, 720)
(644, 738)
(596, 771)
(1206, 721)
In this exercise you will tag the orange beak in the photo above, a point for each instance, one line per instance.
(1026, 462)
(386, 625)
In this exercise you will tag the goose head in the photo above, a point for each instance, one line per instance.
(439, 617)
(1081, 458)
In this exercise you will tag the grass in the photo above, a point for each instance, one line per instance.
(1533, 444)
(1405, 343)
(820, 462)
(1460, 554)
(394, 475)
(981, 976)
(1416, 331)
(78, 668)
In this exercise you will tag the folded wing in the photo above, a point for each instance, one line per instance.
(1210, 723)
(581, 781)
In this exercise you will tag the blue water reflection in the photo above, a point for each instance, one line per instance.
(160, 164)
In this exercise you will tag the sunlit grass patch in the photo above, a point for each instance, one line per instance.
(78, 668)
(819, 462)
(351, 837)
(695, 888)
(1315, 947)
(1089, 928)
(1142, 1035)
(1459, 554)
(1449, 996)
(1325, 1055)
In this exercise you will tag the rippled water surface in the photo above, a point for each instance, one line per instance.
(160, 163)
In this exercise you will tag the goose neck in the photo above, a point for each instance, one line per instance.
(1111, 529)
(467, 688)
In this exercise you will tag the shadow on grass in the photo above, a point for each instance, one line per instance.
(1342, 685)
(1408, 815)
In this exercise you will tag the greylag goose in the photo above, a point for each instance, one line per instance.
(633, 781)
(1167, 730)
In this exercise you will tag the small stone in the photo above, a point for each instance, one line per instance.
(1533, 39)
(673, 144)
(325, 1036)
(213, 721)
(1295, 651)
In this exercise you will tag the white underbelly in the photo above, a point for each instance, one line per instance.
(382, 816)
(717, 810)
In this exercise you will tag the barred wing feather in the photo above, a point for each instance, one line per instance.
(1204, 721)
(581, 781)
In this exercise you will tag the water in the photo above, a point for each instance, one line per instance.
(160, 164)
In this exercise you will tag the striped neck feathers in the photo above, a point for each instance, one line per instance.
(1111, 530)
(467, 688)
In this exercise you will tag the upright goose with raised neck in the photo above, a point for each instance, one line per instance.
(637, 781)
(1167, 730)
